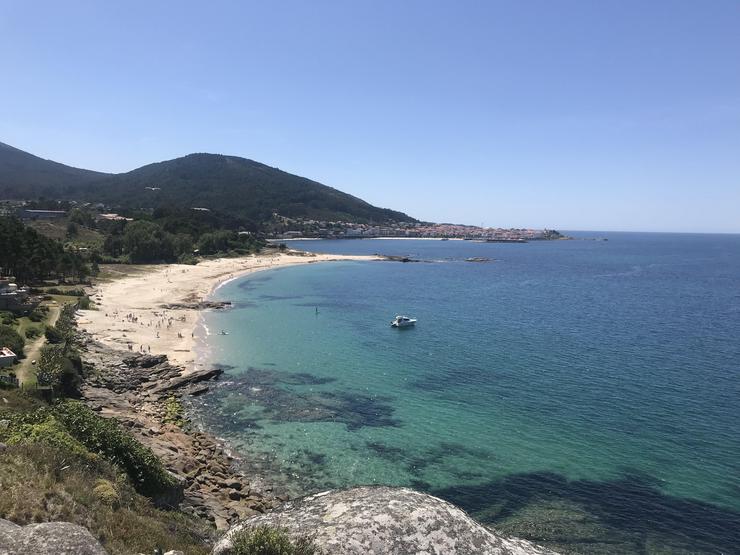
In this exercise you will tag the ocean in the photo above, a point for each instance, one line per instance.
(582, 394)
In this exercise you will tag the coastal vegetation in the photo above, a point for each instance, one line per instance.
(71, 425)
(266, 540)
(31, 257)
(60, 366)
(64, 462)
(47, 483)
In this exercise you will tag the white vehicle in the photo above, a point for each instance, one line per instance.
(402, 322)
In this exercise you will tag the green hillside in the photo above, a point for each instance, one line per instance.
(224, 184)
(23, 175)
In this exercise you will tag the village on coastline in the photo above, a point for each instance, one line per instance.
(298, 228)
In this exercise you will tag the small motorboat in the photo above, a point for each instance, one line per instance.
(402, 322)
(222, 332)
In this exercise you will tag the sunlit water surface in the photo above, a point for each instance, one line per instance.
(584, 394)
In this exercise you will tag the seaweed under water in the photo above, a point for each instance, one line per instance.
(626, 515)
(271, 395)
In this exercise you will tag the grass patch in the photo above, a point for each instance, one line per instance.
(57, 229)
(113, 272)
(43, 483)
(174, 412)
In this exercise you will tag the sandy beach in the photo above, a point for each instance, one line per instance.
(139, 311)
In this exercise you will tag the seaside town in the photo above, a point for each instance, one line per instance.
(296, 228)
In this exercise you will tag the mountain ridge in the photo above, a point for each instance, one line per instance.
(220, 182)
(18, 168)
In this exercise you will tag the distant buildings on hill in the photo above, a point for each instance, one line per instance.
(296, 228)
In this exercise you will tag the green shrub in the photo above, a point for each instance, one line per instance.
(105, 438)
(52, 364)
(106, 492)
(264, 540)
(174, 412)
(7, 318)
(32, 333)
(53, 335)
(12, 339)
(67, 292)
(44, 428)
(187, 258)
(72, 426)
(84, 303)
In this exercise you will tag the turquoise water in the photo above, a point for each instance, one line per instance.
(583, 394)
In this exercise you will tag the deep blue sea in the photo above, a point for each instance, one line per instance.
(583, 394)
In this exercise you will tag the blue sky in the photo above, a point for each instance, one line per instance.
(621, 115)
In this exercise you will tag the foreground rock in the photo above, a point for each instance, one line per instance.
(49, 538)
(384, 520)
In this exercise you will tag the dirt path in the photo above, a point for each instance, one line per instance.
(26, 373)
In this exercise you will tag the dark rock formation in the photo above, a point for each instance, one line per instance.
(49, 538)
(187, 381)
(150, 374)
(384, 520)
(395, 258)
(197, 305)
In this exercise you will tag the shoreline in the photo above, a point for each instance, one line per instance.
(138, 389)
(156, 309)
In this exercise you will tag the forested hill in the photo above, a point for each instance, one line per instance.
(236, 186)
(224, 184)
(23, 175)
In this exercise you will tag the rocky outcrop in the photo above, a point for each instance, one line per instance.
(384, 520)
(190, 383)
(151, 375)
(197, 305)
(49, 538)
(136, 390)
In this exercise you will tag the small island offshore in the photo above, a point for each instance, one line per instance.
(100, 306)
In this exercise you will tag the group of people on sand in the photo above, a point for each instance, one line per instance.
(163, 321)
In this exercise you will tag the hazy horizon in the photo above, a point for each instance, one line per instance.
(619, 116)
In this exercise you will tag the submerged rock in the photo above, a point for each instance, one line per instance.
(48, 538)
(384, 520)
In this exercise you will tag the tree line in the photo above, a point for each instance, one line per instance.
(176, 235)
(30, 257)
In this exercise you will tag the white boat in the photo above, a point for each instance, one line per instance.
(402, 321)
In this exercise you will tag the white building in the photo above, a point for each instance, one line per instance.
(7, 357)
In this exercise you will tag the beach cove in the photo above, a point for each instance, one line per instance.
(140, 372)
(155, 309)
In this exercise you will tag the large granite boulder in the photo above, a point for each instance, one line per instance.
(384, 520)
(48, 538)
